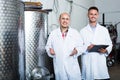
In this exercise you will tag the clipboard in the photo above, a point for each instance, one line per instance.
(97, 47)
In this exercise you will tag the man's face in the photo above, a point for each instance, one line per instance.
(64, 20)
(93, 15)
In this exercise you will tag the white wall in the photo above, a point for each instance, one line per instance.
(110, 8)
(112, 12)
(79, 13)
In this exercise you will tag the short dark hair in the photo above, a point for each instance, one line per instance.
(93, 7)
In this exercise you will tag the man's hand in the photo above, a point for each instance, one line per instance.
(52, 51)
(90, 46)
(73, 52)
(102, 50)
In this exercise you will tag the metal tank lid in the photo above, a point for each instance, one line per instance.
(35, 6)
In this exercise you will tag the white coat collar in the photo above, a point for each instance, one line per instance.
(68, 33)
(89, 27)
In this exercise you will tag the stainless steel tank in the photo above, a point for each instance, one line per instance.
(9, 23)
(35, 40)
(21, 42)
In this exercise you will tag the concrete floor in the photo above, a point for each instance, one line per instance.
(115, 71)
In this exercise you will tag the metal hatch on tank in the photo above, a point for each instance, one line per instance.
(40, 73)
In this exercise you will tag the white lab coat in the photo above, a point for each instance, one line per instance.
(66, 67)
(94, 64)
